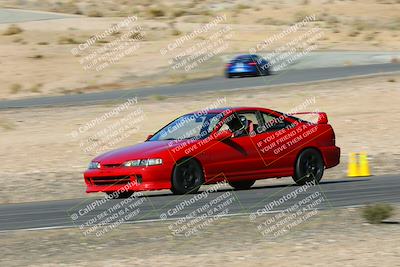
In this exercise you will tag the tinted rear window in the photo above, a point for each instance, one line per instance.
(244, 59)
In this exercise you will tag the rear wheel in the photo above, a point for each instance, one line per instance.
(262, 71)
(309, 167)
(242, 185)
(116, 195)
(187, 177)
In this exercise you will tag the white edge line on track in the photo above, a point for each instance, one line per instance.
(154, 220)
(371, 75)
(99, 102)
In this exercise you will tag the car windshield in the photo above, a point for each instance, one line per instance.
(190, 126)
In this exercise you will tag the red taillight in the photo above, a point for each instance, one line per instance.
(252, 63)
(228, 65)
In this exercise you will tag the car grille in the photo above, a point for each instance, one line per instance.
(111, 165)
(110, 180)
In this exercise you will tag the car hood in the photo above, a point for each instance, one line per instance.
(143, 150)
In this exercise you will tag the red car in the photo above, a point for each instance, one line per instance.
(236, 145)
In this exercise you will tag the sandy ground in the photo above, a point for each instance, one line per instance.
(47, 149)
(337, 237)
(38, 60)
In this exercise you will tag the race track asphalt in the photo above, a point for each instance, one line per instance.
(293, 76)
(74, 212)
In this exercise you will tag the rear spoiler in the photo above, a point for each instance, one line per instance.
(322, 117)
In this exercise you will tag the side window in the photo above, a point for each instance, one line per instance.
(242, 124)
(224, 127)
(212, 123)
(253, 59)
(231, 123)
(272, 123)
(251, 117)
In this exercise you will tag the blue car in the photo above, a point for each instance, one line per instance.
(247, 65)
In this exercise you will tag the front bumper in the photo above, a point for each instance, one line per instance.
(128, 179)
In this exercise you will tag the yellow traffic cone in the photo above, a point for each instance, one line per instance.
(352, 167)
(364, 165)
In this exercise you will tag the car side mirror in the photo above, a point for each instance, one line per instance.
(222, 135)
(149, 136)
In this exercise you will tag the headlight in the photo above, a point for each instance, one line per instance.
(94, 165)
(142, 162)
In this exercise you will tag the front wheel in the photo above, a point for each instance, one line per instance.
(187, 177)
(309, 167)
(242, 185)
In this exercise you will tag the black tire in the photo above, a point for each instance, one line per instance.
(309, 167)
(187, 177)
(227, 75)
(120, 195)
(242, 185)
(262, 72)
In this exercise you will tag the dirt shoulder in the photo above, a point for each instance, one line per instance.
(44, 151)
(36, 58)
(336, 237)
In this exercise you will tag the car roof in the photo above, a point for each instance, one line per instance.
(230, 110)
(233, 109)
(247, 56)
